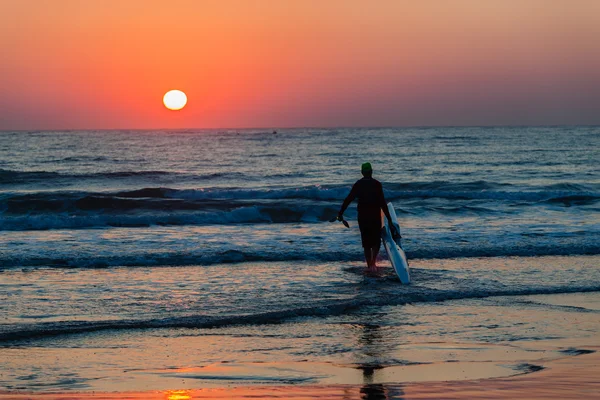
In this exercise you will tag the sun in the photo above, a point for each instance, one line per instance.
(175, 100)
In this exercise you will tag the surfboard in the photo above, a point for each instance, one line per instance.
(393, 247)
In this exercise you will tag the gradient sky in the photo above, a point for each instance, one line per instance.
(73, 64)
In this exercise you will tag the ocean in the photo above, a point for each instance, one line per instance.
(149, 251)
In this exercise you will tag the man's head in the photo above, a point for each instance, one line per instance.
(366, 170)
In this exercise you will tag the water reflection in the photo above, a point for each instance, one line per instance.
(178, 395)
(371, 340)
(374, 392)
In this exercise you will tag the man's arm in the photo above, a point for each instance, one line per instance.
(383, 204)
(348, 200)
(384, 207)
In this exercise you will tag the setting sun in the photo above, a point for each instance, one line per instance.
(175, 100)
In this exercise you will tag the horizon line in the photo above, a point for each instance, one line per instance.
(275, 128)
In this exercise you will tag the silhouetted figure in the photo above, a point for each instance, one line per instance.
(371, 202)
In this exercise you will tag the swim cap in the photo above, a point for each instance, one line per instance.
(366, 167)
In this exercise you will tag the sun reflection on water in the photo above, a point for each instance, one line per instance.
(178, 395)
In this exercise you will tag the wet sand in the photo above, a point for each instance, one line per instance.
(570, 377)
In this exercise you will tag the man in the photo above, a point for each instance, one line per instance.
(370, 203)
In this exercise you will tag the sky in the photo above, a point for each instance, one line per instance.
(106, 64)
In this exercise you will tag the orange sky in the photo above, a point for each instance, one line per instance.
(271, 63)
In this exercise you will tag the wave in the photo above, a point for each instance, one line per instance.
(241, 215)
(430, 189)
(169, 206)
(574, 200)
(322, 309)
(436, 189)
(478, 190)
(16, 177)
(220, 255)
(20, 177)
(12, 177)
(100, 212)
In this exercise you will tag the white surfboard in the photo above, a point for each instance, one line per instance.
(393, 247)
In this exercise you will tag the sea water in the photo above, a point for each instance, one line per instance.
(218, 242)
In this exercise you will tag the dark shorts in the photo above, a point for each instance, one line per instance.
(370, 231)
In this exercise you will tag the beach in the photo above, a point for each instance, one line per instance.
(419, 346)
(520, 369)
(202, 264)
(563, 379)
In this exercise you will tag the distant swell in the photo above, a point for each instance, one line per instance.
(42, 330)
(17, 177)
(12, 177)
(9, 176)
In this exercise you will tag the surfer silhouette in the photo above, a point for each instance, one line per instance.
(371, 202)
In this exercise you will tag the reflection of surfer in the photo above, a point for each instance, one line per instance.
(370, 203)
(373, 392)
(373, 345)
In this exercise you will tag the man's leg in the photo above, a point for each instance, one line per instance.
(374, 252)
(370, 230)
(368, 256)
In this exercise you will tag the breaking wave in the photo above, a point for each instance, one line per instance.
(170, 206)
(222, 255)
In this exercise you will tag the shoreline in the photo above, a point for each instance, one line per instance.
(526, 346)
(573, 376)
